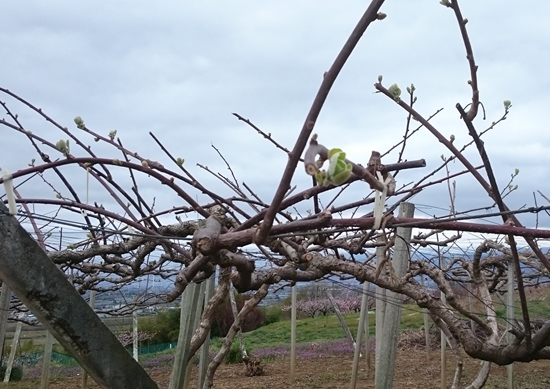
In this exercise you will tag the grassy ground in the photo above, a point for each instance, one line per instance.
(322, 329)
(317, 329)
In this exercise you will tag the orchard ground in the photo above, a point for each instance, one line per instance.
(325, 358)
(412, 371)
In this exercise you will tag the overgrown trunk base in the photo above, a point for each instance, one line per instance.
(253, 366)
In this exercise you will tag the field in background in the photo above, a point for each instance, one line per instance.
(272, 341)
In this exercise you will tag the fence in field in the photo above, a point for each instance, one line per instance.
(33, 359)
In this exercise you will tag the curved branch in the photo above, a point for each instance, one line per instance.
(329, 77)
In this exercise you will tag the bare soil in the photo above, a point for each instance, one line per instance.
(412, 371)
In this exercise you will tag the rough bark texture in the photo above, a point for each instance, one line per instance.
(45, 290)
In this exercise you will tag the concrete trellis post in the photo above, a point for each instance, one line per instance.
(135, 340)
(196, 319)
(368, 354)
(5, 295)
(46, 361)
(84, 372)
(510, 316)
(392, 316)
(293, 335)
(380, 310)
(360, 330)
(11, 358)
(204, 359)
(426, 325)
(443, 340)
(189, 302)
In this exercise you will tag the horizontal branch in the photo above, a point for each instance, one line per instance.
(241, 238)
(309, 193)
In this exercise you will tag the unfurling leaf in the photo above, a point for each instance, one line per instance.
(333, 152)
(335, 156)
(342, 176)
(112, 135)
(507, 104)
(395, 92)
(180, 161)
(338, 170)
(321, 178)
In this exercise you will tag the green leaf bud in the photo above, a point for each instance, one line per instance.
(79, 122)
(63, 146)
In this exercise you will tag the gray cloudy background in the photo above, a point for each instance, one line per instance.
(179, 69)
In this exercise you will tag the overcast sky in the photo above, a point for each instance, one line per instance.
(179, 69)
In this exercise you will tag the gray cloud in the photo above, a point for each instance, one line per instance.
(179, 70)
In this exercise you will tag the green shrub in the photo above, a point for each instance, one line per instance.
(223, 316)
(165, 326)
(16, 373)
(234, 354)
(272, 314)
(28, 346)
(500, 311)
